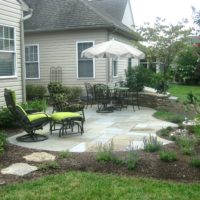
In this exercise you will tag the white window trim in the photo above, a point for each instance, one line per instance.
(15, 54)
(38, 52)
(94, 67)
(117, 68)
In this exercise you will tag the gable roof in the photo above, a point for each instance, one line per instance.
(51, 15)
(24, 5)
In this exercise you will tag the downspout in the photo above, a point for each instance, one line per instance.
(23, 53)
(108, 62)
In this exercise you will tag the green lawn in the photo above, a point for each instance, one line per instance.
(181, 91)
(169, 116)
(86, 186)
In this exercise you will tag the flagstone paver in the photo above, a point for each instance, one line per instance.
(39, 157)
(19, 169)
(120, 126)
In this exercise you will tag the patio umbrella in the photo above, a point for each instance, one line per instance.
(113, 49)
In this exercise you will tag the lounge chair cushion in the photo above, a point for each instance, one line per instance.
(20, 108)
(59, 116)
(13, 94)
(36, 116)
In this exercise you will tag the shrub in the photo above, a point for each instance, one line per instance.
(105, 152)
(165, 131)
(35, 92)
(72, 93)
(65, 154)
(2, 142)
(48, 165)
(138, 77)
(131, 160)
(38, 105)
(151, 144)
(187, 63)
(187, 145)
(195, 161)
(6, 119)
(168, 156)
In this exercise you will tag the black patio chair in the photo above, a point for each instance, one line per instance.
(29, 122)
(133, 98)
(89, 98)
(102, 98)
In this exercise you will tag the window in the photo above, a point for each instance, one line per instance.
(85, 65)
(7, 51)
(32, 61)
(115, 67)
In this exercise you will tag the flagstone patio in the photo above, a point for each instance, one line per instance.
(123, 127)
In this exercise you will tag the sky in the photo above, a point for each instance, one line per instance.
(172, 10)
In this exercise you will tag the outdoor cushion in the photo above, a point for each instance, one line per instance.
(20, 108)
(59, 116)
(35, 116)
(13, 94)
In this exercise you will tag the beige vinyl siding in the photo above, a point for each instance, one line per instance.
(59, 49)
(10, 15)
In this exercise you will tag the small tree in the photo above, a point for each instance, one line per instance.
(164, 41)
(186, 61)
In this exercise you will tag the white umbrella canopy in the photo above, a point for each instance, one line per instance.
(113, 49)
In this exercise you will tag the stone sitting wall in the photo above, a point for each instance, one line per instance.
(154, 100)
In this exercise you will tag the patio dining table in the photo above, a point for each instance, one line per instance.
(119, 95)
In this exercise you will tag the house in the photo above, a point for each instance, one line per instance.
(11, 47)
(59, 30)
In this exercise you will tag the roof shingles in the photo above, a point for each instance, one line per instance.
(49, 15)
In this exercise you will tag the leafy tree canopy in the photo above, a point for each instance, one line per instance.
(163, 40)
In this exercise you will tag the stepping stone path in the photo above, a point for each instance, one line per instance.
(39, 157)
(19, 169)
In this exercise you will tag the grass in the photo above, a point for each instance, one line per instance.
(168, 116)
(91, 186)
(181, 91)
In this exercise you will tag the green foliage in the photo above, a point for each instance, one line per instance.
(181, 91)
(168, 156)
(35, 92)
(38, 105)
(186, 144)
(48, 165)
(164, 41)
(131, 160)
(2, 142)
(6, 119)
(169, 116)
(95, 186)
(196, 130)
(69, 93)
(151, 144)
(105, 152)
(186, 63)
(195, 161)
(165, 131)
(65, 154)
(138, 77)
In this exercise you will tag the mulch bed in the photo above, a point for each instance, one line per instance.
(149, 165)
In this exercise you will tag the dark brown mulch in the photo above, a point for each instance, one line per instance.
(149, 165)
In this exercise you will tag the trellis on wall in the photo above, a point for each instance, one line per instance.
(56, 74)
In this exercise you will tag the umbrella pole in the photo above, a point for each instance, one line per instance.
(108, 68)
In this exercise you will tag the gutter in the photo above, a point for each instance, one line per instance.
(23, 73)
